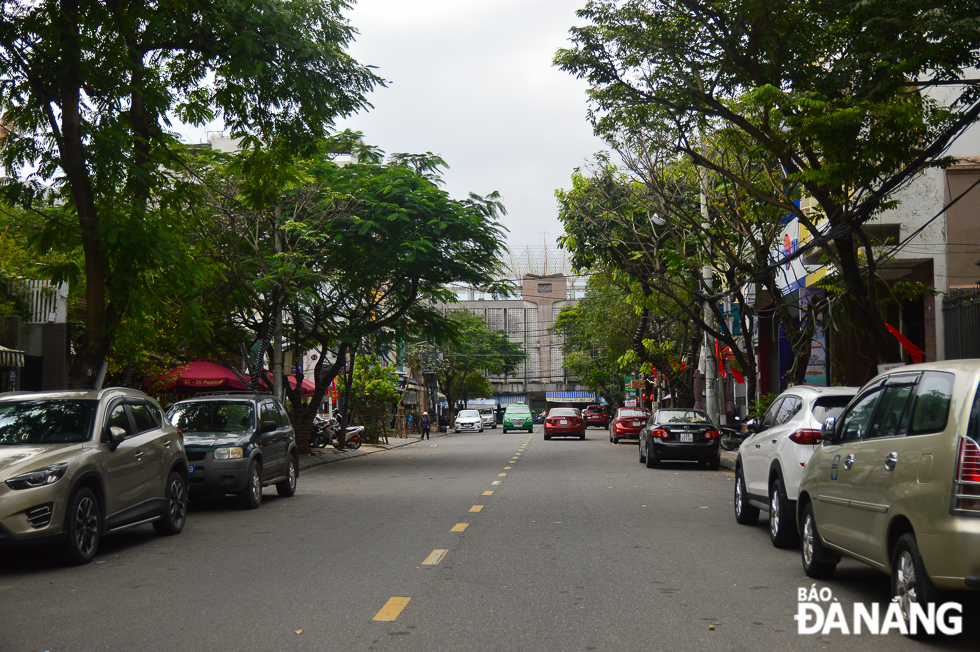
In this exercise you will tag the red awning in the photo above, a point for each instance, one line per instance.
(193, 377)
(306, 386)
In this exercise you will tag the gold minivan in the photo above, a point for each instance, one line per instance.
(896, 482)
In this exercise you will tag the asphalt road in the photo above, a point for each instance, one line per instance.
(466, 542)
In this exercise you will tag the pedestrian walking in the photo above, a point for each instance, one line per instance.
(425, 426)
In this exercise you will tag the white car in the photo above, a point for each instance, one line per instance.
(468, 421)
(489, 417)
(770, 462)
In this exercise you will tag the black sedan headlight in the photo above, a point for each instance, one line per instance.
(39, 478)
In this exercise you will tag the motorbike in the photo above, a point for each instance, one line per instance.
(323, 431)
(732, 438)
(353, 441)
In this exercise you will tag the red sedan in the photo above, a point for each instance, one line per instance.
(564, 422)
(627, 424)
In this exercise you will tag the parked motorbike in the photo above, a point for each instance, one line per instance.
(323, 431)
(732, 438)
(353, 437)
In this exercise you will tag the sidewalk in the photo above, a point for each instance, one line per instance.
(330, 454)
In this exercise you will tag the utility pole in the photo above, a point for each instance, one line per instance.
(711, 368)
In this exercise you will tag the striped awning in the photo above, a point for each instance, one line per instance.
(11, 358)
(511, 399)
(569, 397)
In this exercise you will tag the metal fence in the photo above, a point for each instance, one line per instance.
(961, 316)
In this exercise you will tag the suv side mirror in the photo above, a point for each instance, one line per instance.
(268, 426)
(827, 429)
(116, 436)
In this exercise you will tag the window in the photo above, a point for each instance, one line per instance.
(932, 399)
(141, 417)
(544, 288)
(857, 418)
(892, 416)
(118, 419)
(788, 409)
(268, 412)
(769, 420)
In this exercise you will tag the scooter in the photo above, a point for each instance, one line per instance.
(732, 438)
(322, 431)
(353, 441)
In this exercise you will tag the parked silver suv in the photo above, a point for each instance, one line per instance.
(75, 465)
(896, 482)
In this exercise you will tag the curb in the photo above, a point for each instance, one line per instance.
(329, 454)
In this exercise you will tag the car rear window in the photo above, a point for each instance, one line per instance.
(634, 413)
(932, 398)
(682, 416)
(563, 412)
(829, 406)
(46, 422)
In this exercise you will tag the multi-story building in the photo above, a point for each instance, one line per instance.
(542, 379)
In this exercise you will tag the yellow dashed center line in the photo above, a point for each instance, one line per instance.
(459, 527)
(500, 475)
(476, 508)
(507, 467)
(495, 482)
(434, 558)
(487, 493)
(391, 610)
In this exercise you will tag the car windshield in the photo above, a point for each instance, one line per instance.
(46, 422)
(634, 413)
(216, 416)
(518, 412)
(829, 406)
(682, 416)
(468, 414)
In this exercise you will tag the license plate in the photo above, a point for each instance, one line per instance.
(190, 469)
(687, 437)
(564, 422)
(637, 424)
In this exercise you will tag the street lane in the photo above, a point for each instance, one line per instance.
(579, 547)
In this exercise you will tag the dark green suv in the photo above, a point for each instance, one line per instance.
(237, 443)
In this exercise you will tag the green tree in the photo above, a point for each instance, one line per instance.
(840, 95)
(89, 91)
(373, 391)
(365, 252)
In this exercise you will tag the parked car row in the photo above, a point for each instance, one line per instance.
(888, 474)
(76, 465)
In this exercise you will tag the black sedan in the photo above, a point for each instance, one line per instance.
(679, 434)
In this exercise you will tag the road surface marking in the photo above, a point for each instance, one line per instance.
(495, 482)
(476, 508)
(459, 527)
(487, 493)
(507, 467)
(391, 610)
(500, 475)
(434, 558)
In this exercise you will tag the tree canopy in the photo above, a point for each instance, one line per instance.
(847, 102)
(89, 93)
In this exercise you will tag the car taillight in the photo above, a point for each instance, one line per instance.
(180, 434)
(711, 434)
(662, 434)
(968, 475)
(806, 437)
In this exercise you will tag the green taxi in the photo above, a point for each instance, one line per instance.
(518, 417)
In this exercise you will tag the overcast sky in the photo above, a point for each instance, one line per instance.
(472, 81)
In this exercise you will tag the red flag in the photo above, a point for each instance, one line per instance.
(914, 352)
